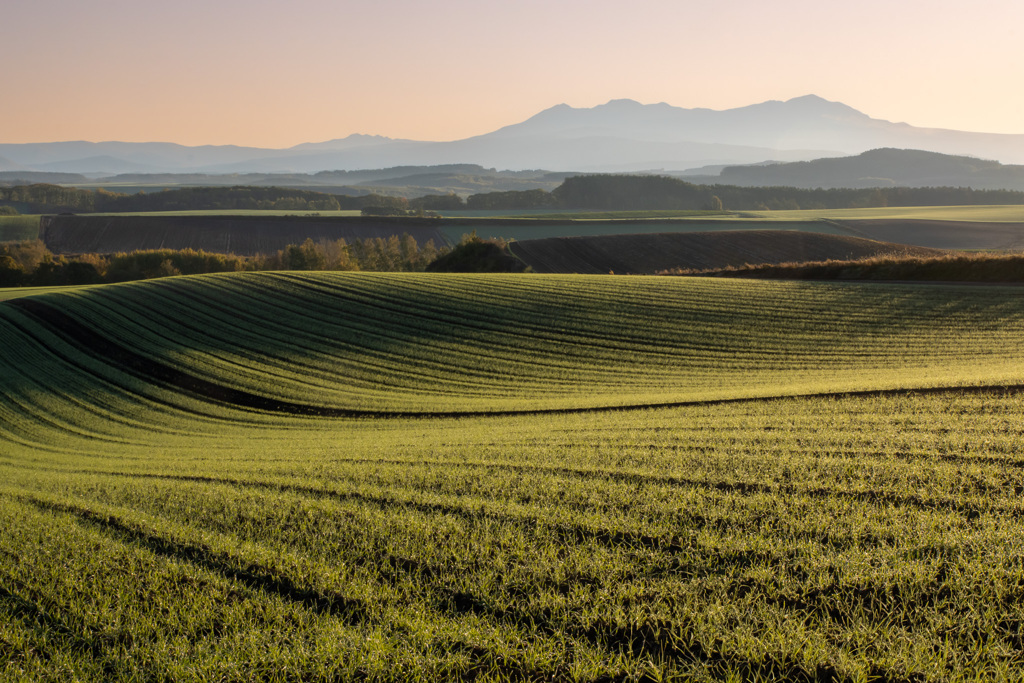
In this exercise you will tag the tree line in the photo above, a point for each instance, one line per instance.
(602, 192)
(30, 263)
(634, 192)
(43, 198)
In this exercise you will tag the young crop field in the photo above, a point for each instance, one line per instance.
(1008, 213)
(637, 214)
(255, 213)
(542, 228)
(18, 228)
(405, 477)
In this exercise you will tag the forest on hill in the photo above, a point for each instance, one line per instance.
(597, 192)
(626, 192)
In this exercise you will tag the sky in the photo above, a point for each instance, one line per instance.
(271, 74)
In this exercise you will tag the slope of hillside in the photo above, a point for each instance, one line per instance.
(651, 253)
(879, 168)
(349, 344)
(250, 476)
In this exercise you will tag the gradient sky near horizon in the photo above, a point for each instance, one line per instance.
(270, 74)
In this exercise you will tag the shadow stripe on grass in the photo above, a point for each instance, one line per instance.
(253, 576)
(661, 639)
(261, 579)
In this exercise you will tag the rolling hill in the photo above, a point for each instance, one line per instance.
(398, 477)
(429, 343)
(878, 168)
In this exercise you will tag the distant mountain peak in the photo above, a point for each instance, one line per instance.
(815, 103)
(621, 134)
(810, 98)
(347, 142)
(623, 103)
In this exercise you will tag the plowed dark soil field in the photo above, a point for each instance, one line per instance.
(664, 251)
(942, 234)
(242, 235)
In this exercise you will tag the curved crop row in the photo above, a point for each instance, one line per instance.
(833, 538)
(458, 344)
(196, 482)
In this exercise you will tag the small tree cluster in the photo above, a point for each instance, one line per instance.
(391, 254)
(30, 263)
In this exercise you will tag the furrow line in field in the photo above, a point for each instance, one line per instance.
(383, 502)
(261, 579)
(702, 358)
(42, 416)
(110, 354)
(345, 368)
(663, 638)
(670, 544)
(527, 334)
(94, 408)
(743, 488)
(700, 307)
(694, 297)
(596, 337)
(150, 369)
(33, 610)
(660, 639)
(749, 448)
(443, 366)
(252, 575)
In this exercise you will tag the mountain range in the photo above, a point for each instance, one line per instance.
(619, 136)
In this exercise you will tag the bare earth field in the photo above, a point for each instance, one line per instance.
(663, 251)
(942, 234)
(242, 235)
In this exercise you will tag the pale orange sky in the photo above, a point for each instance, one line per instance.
(271, 74)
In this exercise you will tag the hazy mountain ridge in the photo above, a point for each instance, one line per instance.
(884, 167)
(404, 181)
(621, 135)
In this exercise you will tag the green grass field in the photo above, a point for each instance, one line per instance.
(984, 213)
(531, 229)
(237, 212)
(641, 215)
(19, 228)
(7, 293)
(995, 213)
(416, 477)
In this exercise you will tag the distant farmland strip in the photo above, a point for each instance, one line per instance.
(650, 253)
(17, 228)
(241, 235)
(939, 234)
